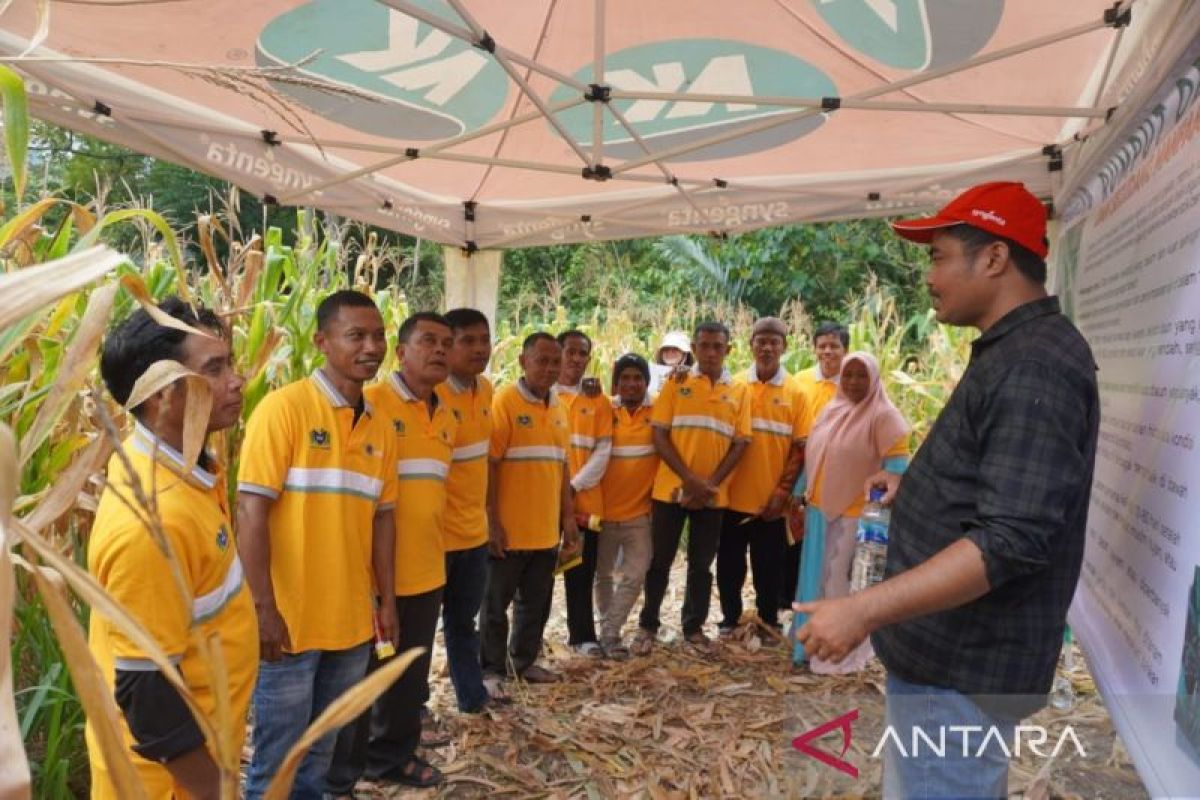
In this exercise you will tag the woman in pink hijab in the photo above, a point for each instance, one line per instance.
(859, 433)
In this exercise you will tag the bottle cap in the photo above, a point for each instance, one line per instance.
(876, 495)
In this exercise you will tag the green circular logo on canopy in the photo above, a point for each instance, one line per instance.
(697, 66)
(913, 34)
(406, 80)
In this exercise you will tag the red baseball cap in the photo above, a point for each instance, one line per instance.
(1005, 208)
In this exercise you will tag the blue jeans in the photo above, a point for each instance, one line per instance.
(289, 695)
(918, 771)
(466, 576)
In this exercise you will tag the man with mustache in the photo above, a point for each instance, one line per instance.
(169, 752)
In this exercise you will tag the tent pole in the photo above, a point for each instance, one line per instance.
(598, 80)
(433, 148)
(472, 37)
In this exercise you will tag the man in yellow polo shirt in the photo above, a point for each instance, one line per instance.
(626, 485)
(468, 394)
(529, 504)
(589, 415)
(383, 743)
(820, 381)
(316, 489)
(762, 483)
(168, 748)
(701, 429)
(819, 385)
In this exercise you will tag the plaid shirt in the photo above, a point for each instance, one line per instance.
(1008, 465)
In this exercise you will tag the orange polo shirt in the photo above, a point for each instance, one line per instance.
(632, 465)
(465, 524)
(424, 445)
(778, 417)
(529, 446)
(817, 389)
(704, 418)
(591, 425)
(327, 476)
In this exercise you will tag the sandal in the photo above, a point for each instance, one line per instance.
(417, 772)
(701, 644)
(617, 652)
(643, 642)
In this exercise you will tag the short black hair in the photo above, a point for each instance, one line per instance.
(346, 298)
(574, 333)
(973, 239)
(712, 326)
(459, 318)
(629, 361)
(532, 339)
(409, 325)
(830, 328)
(133, 345)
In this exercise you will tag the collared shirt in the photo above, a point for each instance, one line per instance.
(328, 475)
(1008, 464)
(423, 447)
(127, 562)
(529, 446)
(590, 421)
(465, 524)
(818, 389)
(704, 418)
(632, 466)
(778, 417)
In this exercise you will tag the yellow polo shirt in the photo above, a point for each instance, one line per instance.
(817, 389)
(778, 417)
(328, 476)
(704, 419)
(465, 524)
(423, 446)
(529, 446)
(591, 423)
(632, 465)
(125, 560)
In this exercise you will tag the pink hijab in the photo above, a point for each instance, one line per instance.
(848, 440)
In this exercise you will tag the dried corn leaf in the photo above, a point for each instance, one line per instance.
(14, 769)
(198, 400)
(74, 368)
(95, 695)
(67, 486)
(27, 290)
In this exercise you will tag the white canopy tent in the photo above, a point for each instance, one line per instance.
(493, 125)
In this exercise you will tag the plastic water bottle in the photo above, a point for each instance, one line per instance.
(870, 554)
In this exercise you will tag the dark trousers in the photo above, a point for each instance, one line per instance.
(577, 586)
(466, 573)
(767, 542)
(524, 579)
(380, 741)
(791, 575)
(666, 529)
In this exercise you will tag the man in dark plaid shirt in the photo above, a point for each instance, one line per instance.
(988, 526)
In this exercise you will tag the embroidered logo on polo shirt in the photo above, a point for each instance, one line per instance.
(398, 424)
(524, 420)
(685, 391)
(222, 539)
(319, 437)
(457, 414)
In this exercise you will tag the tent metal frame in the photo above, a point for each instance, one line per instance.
(657, 163)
